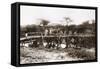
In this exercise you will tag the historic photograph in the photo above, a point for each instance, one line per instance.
(52, 34)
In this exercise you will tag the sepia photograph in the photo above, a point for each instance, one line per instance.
(57, 34)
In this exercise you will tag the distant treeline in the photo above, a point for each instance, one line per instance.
(85, 27)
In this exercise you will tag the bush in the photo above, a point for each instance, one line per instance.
(23, 51)
(80, 53)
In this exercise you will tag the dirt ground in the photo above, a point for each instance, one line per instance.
(41, 55)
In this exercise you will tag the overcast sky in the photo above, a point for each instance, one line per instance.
(32, 14)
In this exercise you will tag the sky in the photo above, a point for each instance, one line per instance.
(32, 15)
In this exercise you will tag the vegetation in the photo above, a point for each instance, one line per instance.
(46, 49)
(38, 55)
(83, 28)
(81, 53)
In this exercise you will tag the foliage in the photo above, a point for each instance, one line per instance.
(81, 53)
(84, 28)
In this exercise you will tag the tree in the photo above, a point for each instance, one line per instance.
(72, 28)
(43, 24)
(68, 20)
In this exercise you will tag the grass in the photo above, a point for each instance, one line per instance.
(38, 55)
(81, 53)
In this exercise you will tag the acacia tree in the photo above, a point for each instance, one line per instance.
(68, 20)
(43, 24)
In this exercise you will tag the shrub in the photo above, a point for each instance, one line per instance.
(23, 51)
(80, 53)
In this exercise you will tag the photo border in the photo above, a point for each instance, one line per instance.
(18, 4)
